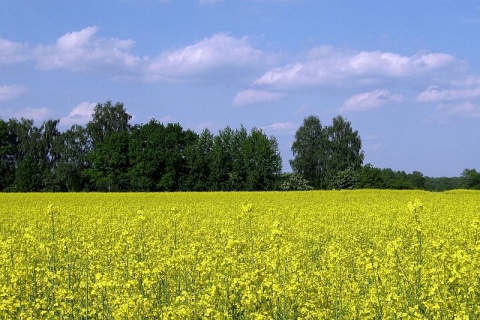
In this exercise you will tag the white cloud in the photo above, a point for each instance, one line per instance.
(9, 92)
(83, 50)
(435, 94)
(220, 56)
(332, 67)
(36, 114)
(464, 109)
(216, 56)
(80, 115)
(376, 147)
(248, 97)
(280, 128)
(12, 52)
(395, 65)
(370, 100)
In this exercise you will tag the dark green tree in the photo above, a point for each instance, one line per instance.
(321, 153)
(108, 133)
(417, 180)
(470, 179)
(49, 155)
(242, 160)
(107, 119)
(310, 152)
(74, 148)
(157, 155)
(344, 151)
(174, 143)
(28, 177)
(397, 180)
(291, 181)
(370, 178)
(222, 175)
(145, 156)
(346, 179)
(25, 158)
(442, 183)
(7, 157)
(262, 161)
(199, 156)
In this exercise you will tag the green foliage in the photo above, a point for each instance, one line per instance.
(110, 163)
(28, 176)
(74, 150)
(108, 154)
(321, 153)
(198, 159)
(109, 134)
(370, 178)
(7, 163)
(244, 161)
(442, 183)
(346, 179)
(470, 179)
(294, 182)
(107, 119)
(309, 151)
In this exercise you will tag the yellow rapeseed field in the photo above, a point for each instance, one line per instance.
(281, 255)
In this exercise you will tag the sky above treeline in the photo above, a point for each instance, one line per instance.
(406, 74)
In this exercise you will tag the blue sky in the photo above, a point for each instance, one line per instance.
(406, 74)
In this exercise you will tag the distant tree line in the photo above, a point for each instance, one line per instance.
(331, 157)
(110, 154)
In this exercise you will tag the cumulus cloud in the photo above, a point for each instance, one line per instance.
(83, 50)
(447, 112)
(251, 96)
(12, 52)
(466, 109)
(217, 57)
(9, 92)
(370, 100)
(330, 66)
(435, 94)
(214, 56)
(280, 128)
(36, 114)
(80, 115)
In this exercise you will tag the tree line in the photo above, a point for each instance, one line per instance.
(110, 154)
(330, 157)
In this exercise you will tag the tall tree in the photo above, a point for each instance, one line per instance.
(223, 177)
(370, 178)
(174, 142)
(145, 156)
(109, 135)
(107, 119)
(157, 155)
(242, 160)
(262, 161)
(7, 157)
(25, 142)
(470, 179)
(49, 155)
(310, 151)
(199, 156)
(74, 148)
(344, 149)
(110, 163)
(320, 153)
